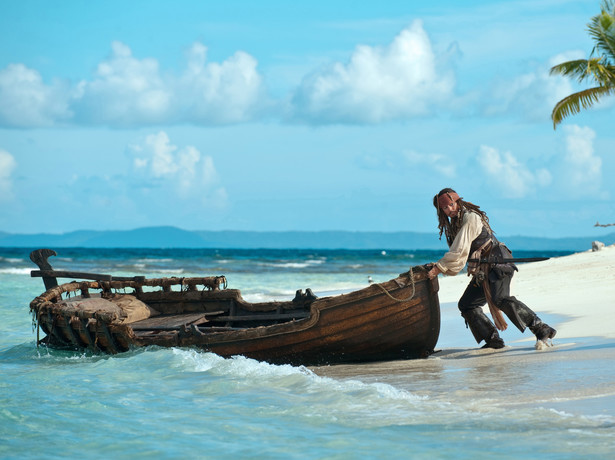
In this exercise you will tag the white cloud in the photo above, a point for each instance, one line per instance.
(220, 93)
(581, 168)
(409, 161)
(398, 81)
(7, 165)
(127, 91)
(439, 163)
(183, 170)
(209, 173)
(26, 101)
(533, 94)
(124, 91)
(575, 172)
(402, 80)
(508, 176)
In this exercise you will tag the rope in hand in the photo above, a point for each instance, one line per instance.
(401, 300)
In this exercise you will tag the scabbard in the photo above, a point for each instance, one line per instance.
(509, 261)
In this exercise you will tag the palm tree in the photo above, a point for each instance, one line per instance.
(600, 67)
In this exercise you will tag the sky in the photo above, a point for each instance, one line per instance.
(277, 116)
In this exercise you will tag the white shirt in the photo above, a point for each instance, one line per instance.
(455, 259)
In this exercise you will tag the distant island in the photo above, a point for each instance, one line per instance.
(173, 237)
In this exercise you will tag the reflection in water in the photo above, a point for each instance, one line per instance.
(513, 376)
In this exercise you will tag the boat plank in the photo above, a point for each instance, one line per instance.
(171, 321)
(272, 317)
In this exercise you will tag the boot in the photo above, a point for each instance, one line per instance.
(541, 330)
(482, 328)
(520, 314)
(494, 341)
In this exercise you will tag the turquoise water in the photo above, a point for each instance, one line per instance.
(173, 403)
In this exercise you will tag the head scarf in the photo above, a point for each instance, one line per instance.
(447, 198)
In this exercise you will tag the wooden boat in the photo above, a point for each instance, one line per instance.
(396, 319)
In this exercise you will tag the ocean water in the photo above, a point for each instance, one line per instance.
(186, 403)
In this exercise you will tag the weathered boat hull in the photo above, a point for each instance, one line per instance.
(365, 325)
(396, 319)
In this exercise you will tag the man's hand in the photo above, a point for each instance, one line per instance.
(435, 271)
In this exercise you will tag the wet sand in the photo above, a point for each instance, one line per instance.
(575, 294)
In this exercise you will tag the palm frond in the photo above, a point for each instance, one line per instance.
(600, 67)
(605, 75)
(574, 69)
(602, 73)
(583, 69)
(608, 6)
(573, 104)
(602, 30)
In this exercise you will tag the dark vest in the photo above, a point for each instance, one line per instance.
(485, 235)
(496, 250)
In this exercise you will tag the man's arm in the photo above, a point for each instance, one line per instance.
(455, 259)
(435, 271)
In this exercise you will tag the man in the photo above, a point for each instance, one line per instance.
(469, 236)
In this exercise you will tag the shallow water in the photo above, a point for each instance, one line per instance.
(171, 403)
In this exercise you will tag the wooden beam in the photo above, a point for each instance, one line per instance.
(82, 275)
(39, 257)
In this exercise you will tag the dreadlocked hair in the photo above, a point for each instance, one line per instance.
(450, 227)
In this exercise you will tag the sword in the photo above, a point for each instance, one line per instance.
(509, 261)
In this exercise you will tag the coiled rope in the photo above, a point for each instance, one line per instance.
(400, 300)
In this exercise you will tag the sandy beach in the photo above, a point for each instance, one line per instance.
(580, 287)
(575, 294)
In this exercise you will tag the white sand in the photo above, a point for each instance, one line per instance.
(575, 294)
(580, 287)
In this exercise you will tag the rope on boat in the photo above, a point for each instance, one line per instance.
(401, 300)
(38, 331)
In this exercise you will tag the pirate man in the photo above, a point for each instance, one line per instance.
(470, 239)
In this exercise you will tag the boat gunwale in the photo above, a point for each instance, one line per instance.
(317, 307)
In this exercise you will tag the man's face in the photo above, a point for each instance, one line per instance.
(451, 210)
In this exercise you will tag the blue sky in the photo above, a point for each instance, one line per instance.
(272, 115)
